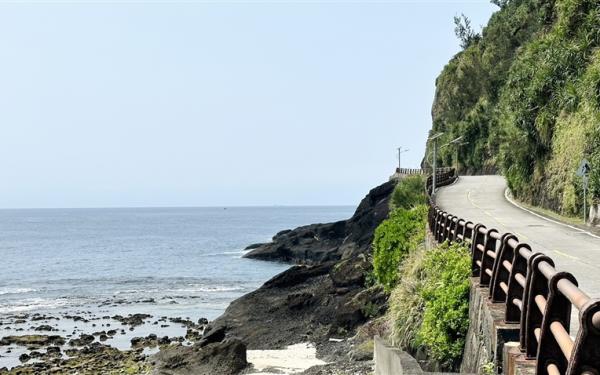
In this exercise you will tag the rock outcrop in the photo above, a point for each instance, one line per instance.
(322, 296)
(317, 243)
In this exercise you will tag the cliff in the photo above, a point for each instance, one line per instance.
(524, 97)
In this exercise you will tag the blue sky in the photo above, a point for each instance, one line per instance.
(107, 104)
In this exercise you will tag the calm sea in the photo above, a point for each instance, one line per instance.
(163, 261)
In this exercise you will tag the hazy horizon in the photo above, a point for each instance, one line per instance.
(205, 104)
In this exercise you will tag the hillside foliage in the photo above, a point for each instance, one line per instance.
(525, 95)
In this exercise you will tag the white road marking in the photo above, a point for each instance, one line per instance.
(547, 219)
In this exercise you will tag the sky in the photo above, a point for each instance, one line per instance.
(197, 103)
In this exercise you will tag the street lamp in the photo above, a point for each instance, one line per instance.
(457, 148)
(433, 175)
(456, 141)
(400, 152)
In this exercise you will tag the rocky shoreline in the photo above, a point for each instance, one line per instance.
(322, 300)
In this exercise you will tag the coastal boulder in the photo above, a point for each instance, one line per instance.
(227, 357)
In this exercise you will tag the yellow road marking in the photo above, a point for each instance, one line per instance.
(471, 200)
(566, 255)
(521, 236)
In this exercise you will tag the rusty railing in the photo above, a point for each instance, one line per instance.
(534, 293)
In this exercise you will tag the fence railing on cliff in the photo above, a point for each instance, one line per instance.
(412, 171)
(533, 292)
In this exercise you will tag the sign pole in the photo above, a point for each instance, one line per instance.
(585, 185)
(584, 172)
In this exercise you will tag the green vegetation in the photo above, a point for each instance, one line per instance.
(429, 300)
(409, 193)
(429, 308)
(401, 232)
(445, 292)
(525, 94)
(394, 238)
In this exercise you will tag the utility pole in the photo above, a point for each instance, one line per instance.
(400, 151)
(434, 174)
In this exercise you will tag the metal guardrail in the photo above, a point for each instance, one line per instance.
(535, 294)
(413, 171)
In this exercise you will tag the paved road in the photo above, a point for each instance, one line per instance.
(481, 199)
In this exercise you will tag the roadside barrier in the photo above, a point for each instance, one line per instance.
(413, 171)
(535, 294)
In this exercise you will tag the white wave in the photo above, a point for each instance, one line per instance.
(8, 290)
(35, 304)
(208, 289)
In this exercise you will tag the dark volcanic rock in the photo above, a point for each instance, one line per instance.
(350, 271)
(302, 302)
(212, 335)
(227, 357)
(317, 243)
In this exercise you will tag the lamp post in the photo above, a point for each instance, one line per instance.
(400, 152)
(433, 175)
(455, 142)
(457, 148)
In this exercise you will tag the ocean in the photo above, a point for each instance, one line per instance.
(164, 262)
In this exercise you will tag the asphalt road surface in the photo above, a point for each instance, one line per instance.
(481, 199)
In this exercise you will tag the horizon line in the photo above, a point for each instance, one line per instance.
(151, 207)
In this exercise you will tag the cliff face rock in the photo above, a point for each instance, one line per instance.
(323, 296)
(301, 304)
(317, 243)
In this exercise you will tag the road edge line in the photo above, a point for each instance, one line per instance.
(506, 196)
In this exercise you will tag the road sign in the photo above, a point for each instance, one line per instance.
(584, 168)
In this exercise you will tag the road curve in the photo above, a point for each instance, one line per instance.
(481, 199)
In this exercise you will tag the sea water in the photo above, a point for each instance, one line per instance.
(171, 262)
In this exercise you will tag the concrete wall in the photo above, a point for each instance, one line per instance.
(487, 332)
(393, 361)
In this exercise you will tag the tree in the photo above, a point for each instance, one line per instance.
(499, 3)
(464, 32)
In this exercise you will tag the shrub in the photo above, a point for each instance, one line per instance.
(445, 294)
(429, 307)
(394, 238)
(409, 192)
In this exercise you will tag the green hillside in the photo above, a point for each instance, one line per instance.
(525, 94)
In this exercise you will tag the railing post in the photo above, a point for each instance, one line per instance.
(586, 350)
(447, 224)
(440, 226)
(500, 274)
(537, 285)
(515, 289)
(452, 229)
(459, 231)
(558, 309)
(478, 239)
(487, 262)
